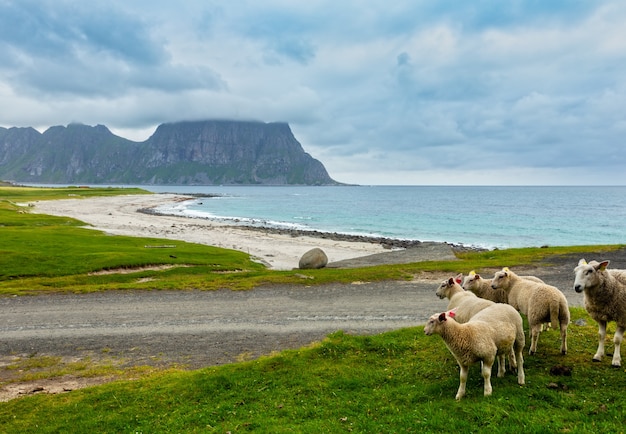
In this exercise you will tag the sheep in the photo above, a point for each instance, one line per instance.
(466, 302)
(466, 305)
(540, 303)
(605, 300)
(482, 287)
(492, 333)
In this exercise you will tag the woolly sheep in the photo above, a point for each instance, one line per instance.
(605, 300)
(466, 302)
(540, 303)
(482, 287)
(492, 333)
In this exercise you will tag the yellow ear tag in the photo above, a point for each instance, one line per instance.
(472, 273)
(506, 269)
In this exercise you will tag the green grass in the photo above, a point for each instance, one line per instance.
(400, 381)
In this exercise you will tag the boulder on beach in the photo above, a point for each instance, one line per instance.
(313, 259)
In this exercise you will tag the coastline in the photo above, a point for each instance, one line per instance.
(279, 249)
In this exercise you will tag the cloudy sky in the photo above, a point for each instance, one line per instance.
(405, 92)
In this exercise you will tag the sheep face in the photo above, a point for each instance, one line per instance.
(588, 275)
(444, 289)
(500, 279)
(471, 280)
(435, 321)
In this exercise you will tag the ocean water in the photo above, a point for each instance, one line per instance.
(481, 216)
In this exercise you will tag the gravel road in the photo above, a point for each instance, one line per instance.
(203, 328)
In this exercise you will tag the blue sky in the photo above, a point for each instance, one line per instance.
(405, 92)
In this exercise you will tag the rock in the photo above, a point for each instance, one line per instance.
(313, 259)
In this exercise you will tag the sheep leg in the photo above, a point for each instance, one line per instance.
(521, 379)
(486, 371)
(563, 338)
(501, 365)
(512, 361)
(535, 329)
(463, 381)
(602, 335)
(617, 341)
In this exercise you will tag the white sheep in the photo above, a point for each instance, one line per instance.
(492, 333)
(605, 300)
(466, 302)
(482, 287)
(539, 301)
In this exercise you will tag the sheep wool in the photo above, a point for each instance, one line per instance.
(494, 332)
(539, 301)
(467, 304)
(482, 287)
(605, 300)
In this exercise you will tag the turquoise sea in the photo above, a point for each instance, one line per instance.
(480, 216)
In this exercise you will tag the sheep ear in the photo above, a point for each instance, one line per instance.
(602, 266)
(582, 262)
(506, 269)
(459, 278)
(451, 281)
(471, 273)
(452, 313)
(442, 317)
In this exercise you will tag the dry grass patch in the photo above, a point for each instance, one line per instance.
(127, 270)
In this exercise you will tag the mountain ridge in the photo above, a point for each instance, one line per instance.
(207, 152)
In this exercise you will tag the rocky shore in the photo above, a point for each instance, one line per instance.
(387, 243)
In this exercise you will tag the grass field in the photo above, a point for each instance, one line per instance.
(400, 381)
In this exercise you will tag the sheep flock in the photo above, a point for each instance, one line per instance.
(483, 321)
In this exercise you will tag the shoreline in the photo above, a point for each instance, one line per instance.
(388, 243)
(279, 249)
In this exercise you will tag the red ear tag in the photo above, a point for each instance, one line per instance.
(452, 314)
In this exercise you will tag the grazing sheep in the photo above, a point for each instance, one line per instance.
(539, 301)
(605, 300)
(482, 287)
(492, 333)
(466, 302)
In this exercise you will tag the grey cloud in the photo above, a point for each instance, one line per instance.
(60, 29)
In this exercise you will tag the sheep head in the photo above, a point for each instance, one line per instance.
(588, 274)
(436, 320)
(470, 279)
(501, 279)
(444, 288)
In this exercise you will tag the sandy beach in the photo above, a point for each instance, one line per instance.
(119, 215)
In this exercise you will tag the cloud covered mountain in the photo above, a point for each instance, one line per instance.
(183, 153)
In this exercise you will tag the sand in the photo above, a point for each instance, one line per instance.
(119, 215)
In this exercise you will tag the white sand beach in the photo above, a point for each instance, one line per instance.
(119, 215)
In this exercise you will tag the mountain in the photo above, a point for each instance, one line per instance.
(182, 153)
